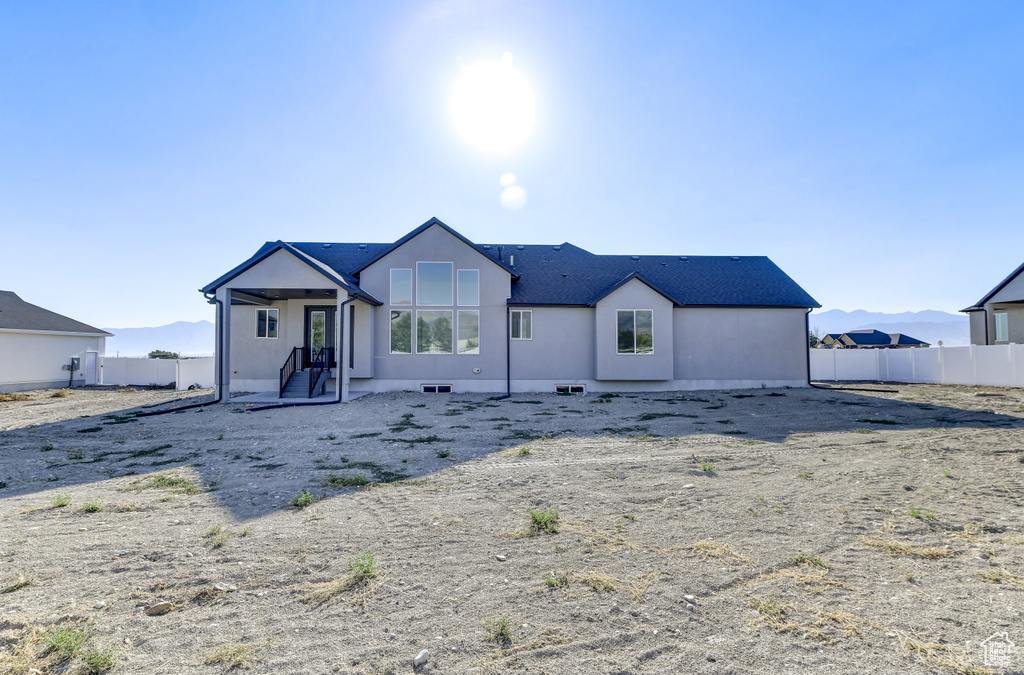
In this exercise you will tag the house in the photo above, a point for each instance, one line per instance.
(998, 318)
(870, 338)
(40, 349)
(435, 312)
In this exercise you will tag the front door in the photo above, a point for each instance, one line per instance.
(319, 333)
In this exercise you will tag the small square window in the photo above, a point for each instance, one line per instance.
(570, 389)
(521, 324)
(266, 323)
(436, 388)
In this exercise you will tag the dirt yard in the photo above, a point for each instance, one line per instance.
(757, 531)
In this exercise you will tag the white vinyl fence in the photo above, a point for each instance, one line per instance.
(996, 365)
(160, 372)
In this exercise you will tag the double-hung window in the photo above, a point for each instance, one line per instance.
(266, 323)
(521, 324)
(635, 331)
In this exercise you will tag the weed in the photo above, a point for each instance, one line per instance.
(60, 500)
(998, 575)
(6, 398)
(900, 548)
(93, 506)
(648, 416)
(707, 466)
(735, 432)
(90, 430)
(875, 421)
(363, 566)
(267, 467)
(557, 579)
(217, 535)
(220, 437)
(629, 516)
(20, 582)
(708, 549)
(98, 659)
(946, 473)
(918, 512)
(523, 451)
(239, 655)
(441, 454)
(939, 654)
(543, 521)
(344, 481)
(60, 393)
(303, 499)
(500, 630)
(328, 437)
(812, 560)
(602, 583)
(66, 641)
(864, 431)
(383, 474)
(166, 481)
(806, 475)
(47, 447)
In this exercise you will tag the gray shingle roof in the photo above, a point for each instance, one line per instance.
(564, 274)
(16, 314)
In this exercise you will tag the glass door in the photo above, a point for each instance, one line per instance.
(319, 332)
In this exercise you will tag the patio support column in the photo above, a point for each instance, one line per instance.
(223, 353)
(343, 341)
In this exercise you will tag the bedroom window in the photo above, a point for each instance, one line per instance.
(433, 283)
(469, 287)
(469, 331)
(635, 331)
(401, 331)
(401, 287)
(434, 331)
(522, 324)
(266, 323)
(1002, 327)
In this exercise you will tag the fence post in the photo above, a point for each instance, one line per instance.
(878, 365)
(1013, 364)
(913, 364)
(942, 365)
(974, 364)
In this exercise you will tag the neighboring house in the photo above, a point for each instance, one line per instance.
(436, 312)
(998, 318)
(37, 347)
(869, 339)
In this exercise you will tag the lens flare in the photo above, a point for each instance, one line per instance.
(493, 106)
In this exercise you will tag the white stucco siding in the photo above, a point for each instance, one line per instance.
(255, 358)
(282, 269)
(612, 365)
(741, 344)
(978, 333)
(561, 348)
(36, 360)
(435, 244)
(1014, 323)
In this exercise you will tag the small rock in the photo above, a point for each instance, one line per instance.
(99, 605)
(622, 476)
(909, 488)
(420, 659)
(689, 485)
(83, 529)
(227, 588)
(501, 558)
(159, 608)
(690, 598)
(691, 607)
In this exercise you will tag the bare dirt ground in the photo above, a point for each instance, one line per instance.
(758, 531)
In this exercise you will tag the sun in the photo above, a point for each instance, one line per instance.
(493, 106)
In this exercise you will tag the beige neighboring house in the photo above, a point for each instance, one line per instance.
(998, 318)
(38, 348)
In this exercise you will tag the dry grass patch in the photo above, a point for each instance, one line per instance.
(893, 547)
(359, 582)
(6, 398)
(938, 654)
(21, 582)
(173, 481)
(238, 655)
(993, 575)
(713, 549)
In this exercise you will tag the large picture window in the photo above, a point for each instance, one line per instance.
(469, 331)
(401, 331)
(434, 331)
(1002, 327)
(522, 324)
(401, 287)
(266, 323)
(635, 331)
(469, 287)
(434, 283)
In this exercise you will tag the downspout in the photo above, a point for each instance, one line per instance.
(340, 360)
(508, 356)
(218, 376)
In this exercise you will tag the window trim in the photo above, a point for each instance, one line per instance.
(618, 349)
(521, 312)
(458, 272)
(391, 287)
(1005, 321)
(416, 336)
(458, 330)
(277, 323)
(412, 332)
(451, 283)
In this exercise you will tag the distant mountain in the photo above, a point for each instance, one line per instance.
(187, 339)
(929, 325)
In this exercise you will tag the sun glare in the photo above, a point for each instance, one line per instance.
(493, 106)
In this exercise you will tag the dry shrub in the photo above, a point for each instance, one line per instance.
(713, 549)
(893, 547)
(937, 654)
(60, 393)
(6, 398)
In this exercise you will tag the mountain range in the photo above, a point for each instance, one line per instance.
(929, 325)
(185, 338)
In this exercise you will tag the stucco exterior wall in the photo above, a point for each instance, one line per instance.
(978, 336)
(562, 347)
(1011, 292)
(741, 344)
(35, 360)
(437, 245)
(1014, 323)
(614, 366)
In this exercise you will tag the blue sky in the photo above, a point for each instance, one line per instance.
(873, 150)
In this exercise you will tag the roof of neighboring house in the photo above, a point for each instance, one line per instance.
(16, 314)
(901, 339)
(980, 304)
(564, 274)
(870, 337)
